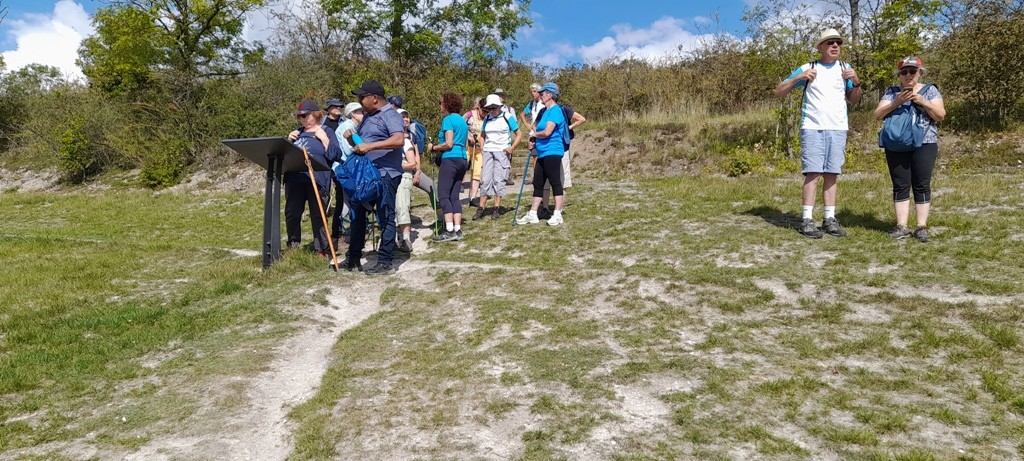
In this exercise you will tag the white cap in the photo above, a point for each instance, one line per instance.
(352, 107)
(493, 100)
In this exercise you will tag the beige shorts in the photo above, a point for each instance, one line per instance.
(476, 158)
(403, 200)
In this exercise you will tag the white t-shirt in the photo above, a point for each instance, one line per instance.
(825, 97)
(499, 132)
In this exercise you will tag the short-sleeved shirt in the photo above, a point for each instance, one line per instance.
(346, 148)
(931, 133)
(460, 130)
(824, 98)
(379, 126)
(552, 145)
(498, 132)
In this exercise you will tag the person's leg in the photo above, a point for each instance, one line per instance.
(566, 179)
(294, 205)
(829, 189)
(477, 166)
(539, 179)
(922, 164)
(487, 179)
(357, 235)
(320, 244)
(403, 203)
(386, 206)
(462, 166)
(899, 174)
(338, 217)
(810, 191)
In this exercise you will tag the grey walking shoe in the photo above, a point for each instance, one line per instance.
(921, 234)
(808, 229)
(831, 227)
(899, 232)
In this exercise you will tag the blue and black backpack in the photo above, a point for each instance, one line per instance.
(360, 178)
(903, 129)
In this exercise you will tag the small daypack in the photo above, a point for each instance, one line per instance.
(903, 129)
(567, 134)
(419, 135)
(360, 179)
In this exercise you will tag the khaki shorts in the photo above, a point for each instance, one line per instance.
(403, 200)
(476, 157)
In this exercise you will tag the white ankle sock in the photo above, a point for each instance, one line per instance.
(449, 226)
(808, 212)
(830, 212)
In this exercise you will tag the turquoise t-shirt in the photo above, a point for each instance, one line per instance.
(552, 145)
(460, 131)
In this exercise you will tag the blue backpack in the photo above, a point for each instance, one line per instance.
(360, 179)
(904, 127)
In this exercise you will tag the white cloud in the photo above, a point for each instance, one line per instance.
(50, 39)
(663, 39)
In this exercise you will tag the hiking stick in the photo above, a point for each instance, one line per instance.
(522, 184)
(323, 216)
(434, 180)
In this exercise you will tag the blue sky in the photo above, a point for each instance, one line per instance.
(564, 31)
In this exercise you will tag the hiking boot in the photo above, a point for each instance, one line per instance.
(496, 213)
(528, 219)
(403, 246)
(457, 235)
(831, 227)
(808, 229)
(544, 213)
(380, 269)
(350, 266)
(444, 236)
(555, 220)
(899, 232)
(921, 234)
(478, 215)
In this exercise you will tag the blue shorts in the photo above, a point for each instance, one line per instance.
(822, 151)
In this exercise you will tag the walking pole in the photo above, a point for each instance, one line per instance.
(323, 216)
(434, 180)
(522, 184)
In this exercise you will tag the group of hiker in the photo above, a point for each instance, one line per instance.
(480, 142)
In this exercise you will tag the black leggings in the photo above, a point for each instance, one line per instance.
(449, 184)
(912, 170)
(549, 169)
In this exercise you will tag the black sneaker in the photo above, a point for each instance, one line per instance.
(808, 229)
(444, 236)
(478, 215)
(403, 246)
(380, 269)
(457, 235)
(543, 213)
(350, 266)
(921, 234)
(831, 227)
(899, 232)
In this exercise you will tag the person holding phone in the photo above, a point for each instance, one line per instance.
(913, 170)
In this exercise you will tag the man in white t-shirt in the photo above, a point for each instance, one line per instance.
(828, 85)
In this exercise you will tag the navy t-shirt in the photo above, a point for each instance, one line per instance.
(317, 152)
(379, 126)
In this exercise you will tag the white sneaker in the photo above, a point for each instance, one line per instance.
(528, 219)
(555, 220)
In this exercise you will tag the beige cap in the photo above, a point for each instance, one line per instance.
(828, 34)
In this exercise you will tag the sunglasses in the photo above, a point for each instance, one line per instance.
(834, 42)
(908, 72)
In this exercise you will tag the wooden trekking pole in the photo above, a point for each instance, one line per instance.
(323, 216)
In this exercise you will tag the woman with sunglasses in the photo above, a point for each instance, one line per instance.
(500, 134)
(913, 170)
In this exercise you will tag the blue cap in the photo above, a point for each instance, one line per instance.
(334, 103)
(550, 87)
(307, 106)
(396, 100)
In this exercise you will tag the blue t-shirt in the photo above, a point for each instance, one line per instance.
(460, 131)
(552, 145)
(379, 126)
